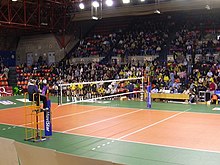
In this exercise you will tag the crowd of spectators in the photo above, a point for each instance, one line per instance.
(4, 70)
(149, 36)
(145, 37)
(69, 73)
(164, 77)
(176, 79)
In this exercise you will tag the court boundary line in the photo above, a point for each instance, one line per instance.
(23, 106)
(160, 109)
(152, 144)
(118, 107)
(171, 146)
(58, 106)
(151, 125)
(129, 141)
(104, 120)
(73, 114)
(5, 109)
(77, 113)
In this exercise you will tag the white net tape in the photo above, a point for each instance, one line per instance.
(91, 91)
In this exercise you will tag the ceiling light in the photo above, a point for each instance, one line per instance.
(95, 18)
(82, 6)
(207, 7)
(126, 1)
(14, 0)
(157, 11)
(109, 2)
(142, 0)
(95, 4)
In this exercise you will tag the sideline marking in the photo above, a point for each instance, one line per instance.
(153, 144)
(23, 100)
(216, 109)
(100, 121)
(151, 125)
(78, 113)
(23, 125)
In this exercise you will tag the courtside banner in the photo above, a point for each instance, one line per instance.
(47, 120)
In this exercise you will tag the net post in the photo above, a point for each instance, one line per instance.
(142, 88)
(148, 100)
(61, 95)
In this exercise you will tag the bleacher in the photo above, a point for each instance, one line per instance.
(24, 76)
(5, 90)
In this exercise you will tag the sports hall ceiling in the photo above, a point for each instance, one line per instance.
(34, 16)
(24, 17)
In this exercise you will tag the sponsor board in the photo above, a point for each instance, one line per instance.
(6, 102)
(47, 120)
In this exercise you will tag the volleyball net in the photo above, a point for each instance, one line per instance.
(121, 89)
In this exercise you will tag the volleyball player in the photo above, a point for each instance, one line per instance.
(73, 89)
(94, 90)
(80, 90)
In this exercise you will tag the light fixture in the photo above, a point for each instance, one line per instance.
(142, 0)
(207, 7)
(126, 1)
(81, 6)
(95, 4)
(14, 0)
(109, 2)
(95, 18)
(157, 11)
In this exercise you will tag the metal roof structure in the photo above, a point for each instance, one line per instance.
(29, 16)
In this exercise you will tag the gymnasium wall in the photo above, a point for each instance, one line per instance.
(38, 45)
(8, 43)
(41, 45)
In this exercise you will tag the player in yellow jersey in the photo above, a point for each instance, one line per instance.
(101, 90)
(80, 89)
(73, 89)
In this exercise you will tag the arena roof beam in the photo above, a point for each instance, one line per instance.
(45, 15)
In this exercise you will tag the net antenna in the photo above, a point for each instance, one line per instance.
(96, 9)
(130, 88)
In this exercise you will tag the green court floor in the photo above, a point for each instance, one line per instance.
(119, 151)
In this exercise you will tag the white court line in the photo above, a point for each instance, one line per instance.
(5, 109)
(102, 120)
(25, 106)
(170, 146)
(78, 113)
(22, 125)
(162, 110)
(151, 125)
(153, 144)
(99, 107)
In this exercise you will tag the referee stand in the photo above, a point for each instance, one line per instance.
(38, 123)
